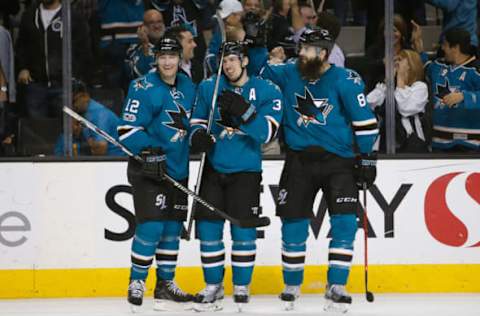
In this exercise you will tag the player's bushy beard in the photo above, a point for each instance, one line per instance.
(310, 69)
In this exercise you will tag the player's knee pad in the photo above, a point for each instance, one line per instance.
(210, 229)
(295, 231)
(240, 234)
(149, 232)
(172, 228)
(343, 230)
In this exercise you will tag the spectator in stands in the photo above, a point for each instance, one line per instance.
(280, 24)
(301, 19)
(87, 10)
(376, 53)
(99, 115)
(3, 86)
(308, 14)
(39, 56)
(455, 85)
(7, 94)
(231, 11)
(192, 14)
(7, 82)
(190, 66)
(340, 8)
(80, 145)
(141, 56)
(331, 23)
(7, 9)
(119, 22)
(459, 14)
(255, 6)
(411, 98)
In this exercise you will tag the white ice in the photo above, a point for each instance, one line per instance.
(384, 305)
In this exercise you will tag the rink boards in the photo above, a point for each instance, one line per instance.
(66, 228)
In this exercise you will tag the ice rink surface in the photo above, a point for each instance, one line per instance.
(384, 305)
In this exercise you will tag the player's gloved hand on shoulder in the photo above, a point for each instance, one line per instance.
(154, 163)
(201, 141)
(365, 170)
(235, 105)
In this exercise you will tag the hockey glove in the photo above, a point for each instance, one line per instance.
(154, 163)
(201, 141)
(235, 105)
(365, 170)
(255, 30)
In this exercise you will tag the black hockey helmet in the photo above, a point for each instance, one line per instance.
(234, 48)
(169, 45)
(317, 37)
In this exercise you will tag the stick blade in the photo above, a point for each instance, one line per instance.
(369, 296)
(255, 222)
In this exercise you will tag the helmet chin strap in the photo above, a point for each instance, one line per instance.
(239, 77)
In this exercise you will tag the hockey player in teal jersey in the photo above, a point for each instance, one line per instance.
(155, 126)
(248, 113)
(455, 83)
(325, 114)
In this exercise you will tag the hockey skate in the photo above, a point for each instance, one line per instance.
(337, 298)
(209, 299)
(241, 296)
(289, 295)
(136, 288)
(169, 297)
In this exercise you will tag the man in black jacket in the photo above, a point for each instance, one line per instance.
(39, 56)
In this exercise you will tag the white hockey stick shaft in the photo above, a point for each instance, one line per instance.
(191, 213)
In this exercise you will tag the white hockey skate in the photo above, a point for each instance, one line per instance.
(136, 288)
(241, 296)
(210, 299)
(169, 297)
(337, 298)
(289, 295)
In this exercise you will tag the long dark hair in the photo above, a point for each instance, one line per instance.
(400, 24)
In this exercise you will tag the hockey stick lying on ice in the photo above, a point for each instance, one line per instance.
(245, 223)
(191, 213)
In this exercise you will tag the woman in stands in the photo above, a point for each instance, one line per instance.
(411, 98)
(376, 52)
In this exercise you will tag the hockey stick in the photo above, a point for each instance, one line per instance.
(191, 214)
(248, 223)
(368, 295)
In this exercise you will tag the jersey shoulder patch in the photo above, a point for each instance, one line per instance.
(475, 64)
(269, 84)
(142, 83)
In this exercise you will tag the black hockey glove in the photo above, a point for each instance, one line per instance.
(201, 141)
(365, 170)
(235, 105)
(154, 163)
(255, 30)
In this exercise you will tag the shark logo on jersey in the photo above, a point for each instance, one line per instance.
(352, 75)
(176, 94)
(180, 18)
(142, 83)
(230, 128)
(177, 122)
(442, 91)
(312, 110)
